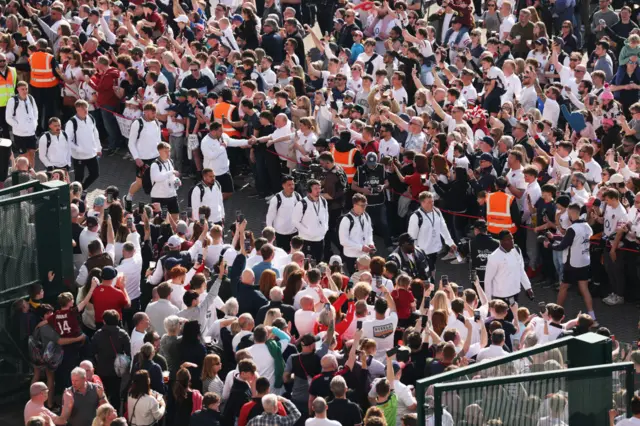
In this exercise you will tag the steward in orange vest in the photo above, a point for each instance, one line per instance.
(502, 210)
(346, 155)
(225, 109)
(45, 77)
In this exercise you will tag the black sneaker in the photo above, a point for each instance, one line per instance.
(108, 152)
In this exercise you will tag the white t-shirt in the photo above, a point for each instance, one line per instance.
(633, 421)
(505, 26)
(306, 142)
(401, 96)
(538, 328)
(528, 97)
(593, 171)
(614, 218)
(304, 321)
(390, 148)
(495, 73)
(321, 422)
(381, 331)
(516, 178)
(551, 111)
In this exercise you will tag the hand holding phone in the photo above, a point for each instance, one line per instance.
(359, 325)
(391, 352)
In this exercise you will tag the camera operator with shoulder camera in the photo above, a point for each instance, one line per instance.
(333, 191)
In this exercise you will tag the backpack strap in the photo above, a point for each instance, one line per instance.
(140, 127)
(222, 252)
(48, 136)
(305, 205)
(74, 123)
(298, 196)
(278, 201)
(420, 219)
(352, 221)
(16, 100)
(200, 185)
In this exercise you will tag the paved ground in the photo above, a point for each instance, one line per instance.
(621, 320)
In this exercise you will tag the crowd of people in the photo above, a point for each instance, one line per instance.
(502, 136)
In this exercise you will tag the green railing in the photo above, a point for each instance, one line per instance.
(568, 352)
(35, 238)
(578, 396)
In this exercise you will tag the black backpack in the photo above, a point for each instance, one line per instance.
(352, 221)
(202, 188)
(74, 123)
(305, 205)
(421, 218)
(147, 185)
(16, 100)
(279, 200)
(48, 136)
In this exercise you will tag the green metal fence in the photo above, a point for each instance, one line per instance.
(576, 396)
(569, 352)
(35, 238)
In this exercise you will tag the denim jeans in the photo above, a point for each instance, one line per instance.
(113, 130)
(557, 262)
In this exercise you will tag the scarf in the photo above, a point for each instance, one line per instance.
(276, 354)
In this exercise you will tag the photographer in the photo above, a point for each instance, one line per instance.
(371, 180)
(334, 189)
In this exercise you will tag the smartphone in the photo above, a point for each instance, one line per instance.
(140, 207)
(323, 269)
(83, 196)
(202, 219)
(427, 302)
(425, 320)
(542, 307)
(106, 215)
(474, 276)
(445, 280)
(163, 213)
(200, 258)
(128, 205)
(460, 290)
(334, 105)
(183, 216)
(247, 245)
(512, 301)
(129, 222)
(239, 216)
(461, 318)
(359, 325)
(109, 197)
(391, 352)
(327, 306)
(189, 211)
(476, 315)
(378, 282)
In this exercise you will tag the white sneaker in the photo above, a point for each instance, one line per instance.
(608, 299)
(449, 256)
(457, 262)
(619, 300)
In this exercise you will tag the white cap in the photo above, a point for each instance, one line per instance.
(182, 18)
(174, 241)
(616, 178)
(76, 20)
(335, 259)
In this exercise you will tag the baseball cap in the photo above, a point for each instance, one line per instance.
(372, 159)
(338, 21)
(109, 273)
(309, 339)
(559, 41)
(486, 157)
(150, 5)
(590, 201)
(99, 200)
(349, 94)
(181, 227)
(396, 367)
(182, 18)
(480, 224)
(543, 41)
(321, 142)
(616, 178)
(174, 241)
(335, 260)
(172, 107)
(358, 108)
(334, 139)
(170, 263)
(237, 18)
(564, 200)
(221, 69)
(94, 12)
(118, 4)
(488, 140)
(180, 93)
(76, 20)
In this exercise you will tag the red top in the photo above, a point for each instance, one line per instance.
(243, 417)
(96, 380)
(103, 85)
(107, 297)
(343, 325)
(370, 147)
(156, 19)
(403, 299)
(65, 322)
(415, 184)
(90, 57)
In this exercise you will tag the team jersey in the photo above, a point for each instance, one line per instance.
(65, 322)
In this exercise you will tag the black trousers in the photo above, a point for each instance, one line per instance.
(332, 236)
(127, 314)
(48, 101)
(349, 264)
(92, 165)
(274, 167)
(284, 241)
(315, 249)
(4, 127)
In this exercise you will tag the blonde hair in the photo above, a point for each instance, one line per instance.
(210, 361)
(440, 302)
(271, 316)
(101, 414)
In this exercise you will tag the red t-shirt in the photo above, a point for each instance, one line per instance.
(370, 147)
(65, 322)
(415, 184)
(403, 299)
(107, 297)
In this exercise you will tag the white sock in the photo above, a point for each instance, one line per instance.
(592, 315)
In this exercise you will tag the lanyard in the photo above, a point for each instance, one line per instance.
(431, 218)
(317, 210)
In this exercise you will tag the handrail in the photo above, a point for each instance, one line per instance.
(470, 369)
(567, 373)
(27, 197)
(589, 371)
(21, 187)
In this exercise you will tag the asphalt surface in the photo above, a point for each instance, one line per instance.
(621, 320)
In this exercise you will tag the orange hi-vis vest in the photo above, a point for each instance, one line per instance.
(345, 160)
(42, 75)
(499, 212)
(224, 109)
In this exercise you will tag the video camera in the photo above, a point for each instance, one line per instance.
(313, 171)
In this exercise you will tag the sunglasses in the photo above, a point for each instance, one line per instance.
(633, 62)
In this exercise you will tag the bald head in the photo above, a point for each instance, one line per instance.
(281, 120)
(248, 277)
(306, 303)
(329, 363)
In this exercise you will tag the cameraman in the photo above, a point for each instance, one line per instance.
(334, 189)
(371, 180)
